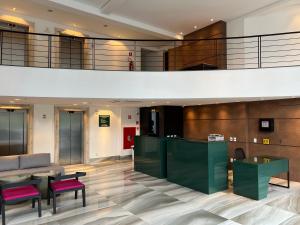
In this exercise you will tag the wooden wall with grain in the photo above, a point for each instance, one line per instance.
(241, 120)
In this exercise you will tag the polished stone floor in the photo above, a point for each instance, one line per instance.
(116, 195)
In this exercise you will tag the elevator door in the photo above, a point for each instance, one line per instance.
(70, 137)
(13, 132)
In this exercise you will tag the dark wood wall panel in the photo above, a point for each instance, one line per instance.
(241, 120)
(194, 53)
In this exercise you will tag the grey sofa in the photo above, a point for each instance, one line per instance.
(17, 165)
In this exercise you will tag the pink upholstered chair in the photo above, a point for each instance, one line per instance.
(13, 193)
(66, 183)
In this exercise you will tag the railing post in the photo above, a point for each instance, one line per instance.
(259, 51)
(49, 51)
(93, 54)
(1, 47)
(175, 58)
(135, 56)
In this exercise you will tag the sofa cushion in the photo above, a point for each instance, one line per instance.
(9, 163)
(34, 160)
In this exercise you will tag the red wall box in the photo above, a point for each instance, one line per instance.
(128, 137)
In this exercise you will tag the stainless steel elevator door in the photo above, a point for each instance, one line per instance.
(70, 137)
(13, 132)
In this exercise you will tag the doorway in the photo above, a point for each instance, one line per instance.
(71, 52)
(70, 137)
(13, 132)
(14, 46)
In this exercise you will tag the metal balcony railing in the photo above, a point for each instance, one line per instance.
(59, 51)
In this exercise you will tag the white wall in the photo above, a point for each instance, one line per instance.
(43, 129)
(60, 83)
(105, 141)
(284, 16)
(126, 114)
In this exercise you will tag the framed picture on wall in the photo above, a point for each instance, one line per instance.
(104, 120)
(266, 124)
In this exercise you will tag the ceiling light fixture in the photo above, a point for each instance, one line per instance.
(181, 33)
(17, 99)
(85, 103)
(212, 20)
(75, 104)
(195, 27)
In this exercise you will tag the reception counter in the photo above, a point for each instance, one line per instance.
(201, 166)
(150, 156)
(251, 176)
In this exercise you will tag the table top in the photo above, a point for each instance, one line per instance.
(261, 159)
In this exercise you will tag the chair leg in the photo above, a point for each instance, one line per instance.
(83, 197)
(3, 213)
(40, 207)
(76, 194)
(54, 202)
(48, 197)
(33, 203)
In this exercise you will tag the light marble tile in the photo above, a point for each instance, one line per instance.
(295, 220)
(118, 195)
(264, 215)
(288, 202)
(193, 217)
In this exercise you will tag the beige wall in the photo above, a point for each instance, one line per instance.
(101, 142)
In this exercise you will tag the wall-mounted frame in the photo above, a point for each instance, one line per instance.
(266, 124)
(104, 120)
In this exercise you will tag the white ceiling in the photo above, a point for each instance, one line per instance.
(137, 18)
(76, 103)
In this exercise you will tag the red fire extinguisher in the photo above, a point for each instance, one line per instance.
(131, 64)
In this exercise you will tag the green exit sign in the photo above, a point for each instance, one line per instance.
(104, 120)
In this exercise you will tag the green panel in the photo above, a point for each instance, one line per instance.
(201, 166)
(150, 156)
(251, 177)
(218, 174)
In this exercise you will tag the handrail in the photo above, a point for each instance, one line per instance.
(28, 49)
(160, 40)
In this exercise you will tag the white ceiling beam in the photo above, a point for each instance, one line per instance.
(85, 8)
(111, 5)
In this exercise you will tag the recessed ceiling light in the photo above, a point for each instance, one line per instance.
(212, 20)
(85, 103)
(181, 33)
(14, 9)
(195, 27)
(17, 99)
(75, 104)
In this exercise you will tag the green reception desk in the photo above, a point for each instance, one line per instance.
(201, 166)
(150, 156)
(251, 176)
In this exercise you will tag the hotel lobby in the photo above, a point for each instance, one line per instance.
(162, 112)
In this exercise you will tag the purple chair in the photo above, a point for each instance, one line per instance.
(13, 193)
(66, 183)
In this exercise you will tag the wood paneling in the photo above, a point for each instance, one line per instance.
(241, 120)
(193, 53)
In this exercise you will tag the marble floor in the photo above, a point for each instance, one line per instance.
(117, 195)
